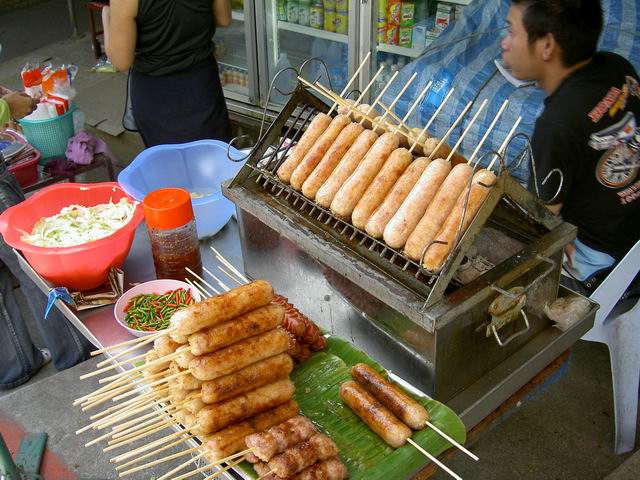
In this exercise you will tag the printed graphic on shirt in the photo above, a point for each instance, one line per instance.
(615, 100)
(618, 166)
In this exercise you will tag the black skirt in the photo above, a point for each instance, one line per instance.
(180, 107)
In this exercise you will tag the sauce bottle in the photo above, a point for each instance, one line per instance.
(172, 231)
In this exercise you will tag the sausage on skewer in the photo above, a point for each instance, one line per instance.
(297, 458)
(277, 439)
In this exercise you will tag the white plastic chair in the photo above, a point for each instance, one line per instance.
(621, 333)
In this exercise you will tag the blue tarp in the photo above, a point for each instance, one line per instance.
(463, 57)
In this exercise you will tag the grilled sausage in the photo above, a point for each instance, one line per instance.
(394, 167)
(231, 439)
(438, 253)
(345, 168)
(329, 469)
(176, 337)
(376, 223)
(277, 439)
(184, 358)
(318, 150)
(313, 132)
(151, 356)
(213, 418)
(438, 210)
(164, 345)
(239, 355)
(241, 327)
(374, 414)
(247, 378)
(403, 406)
(193, 406)
(443, 152)
(297, 458)
(221, 308)
(330, 160)
(351, 192)
(412, 209)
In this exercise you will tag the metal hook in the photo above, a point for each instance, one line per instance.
(324, 65)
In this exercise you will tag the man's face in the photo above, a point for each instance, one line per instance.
(523, 59)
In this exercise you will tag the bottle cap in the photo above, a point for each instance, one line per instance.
(167, 208)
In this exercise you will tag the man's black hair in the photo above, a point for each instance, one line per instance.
(575, 24)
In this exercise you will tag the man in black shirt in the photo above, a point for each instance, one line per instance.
(588, 130)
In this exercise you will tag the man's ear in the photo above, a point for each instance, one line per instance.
(550, 47)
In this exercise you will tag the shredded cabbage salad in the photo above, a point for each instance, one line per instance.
(77, 224)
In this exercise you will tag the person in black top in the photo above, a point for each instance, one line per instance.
(588, 129)
(176, 95)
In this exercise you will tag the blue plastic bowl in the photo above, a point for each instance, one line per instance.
(199, 167)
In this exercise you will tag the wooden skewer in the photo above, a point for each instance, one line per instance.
(455, 124)
(265, 475)
(414, 105)
(331, 95)
(399, 121)
(230, 275)
(137, 437)
(155, 452)
(157, 462)
(151, 445)
(208, 467)
(466, 130)
(200, 289)
(434, 460)
(229, 265)
(165, 410)
(129, 403)
(100, 390)
(140, 368)
(181, 467)
(486, 134)
(100, 425)
(112, 366)
(103, 397)
(452, 441)
(503, 147)
(382, 92)
(433, 117)
(395, 100)
(119, 345)
(140, 428)
(224, 287)
(366, 89)
(346, 89)
(157, 382)
(146, 341)
(202, 280)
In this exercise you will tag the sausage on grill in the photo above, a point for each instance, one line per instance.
(277, 439)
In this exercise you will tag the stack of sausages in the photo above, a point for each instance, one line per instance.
(415, 205)
(295, 450)
(235, 368)
(384, 408)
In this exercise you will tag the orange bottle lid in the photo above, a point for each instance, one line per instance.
(167, 208)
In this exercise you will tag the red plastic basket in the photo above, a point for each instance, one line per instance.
(26, 170)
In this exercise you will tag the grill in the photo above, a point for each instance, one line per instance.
(470, 343)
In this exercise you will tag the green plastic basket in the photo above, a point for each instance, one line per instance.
(50, 136)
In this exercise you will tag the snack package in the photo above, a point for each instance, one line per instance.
(32, 79)
(391, 37)
(405, 36)
(394, 12)
(407, 14)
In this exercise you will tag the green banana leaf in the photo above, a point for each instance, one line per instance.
(364, 453)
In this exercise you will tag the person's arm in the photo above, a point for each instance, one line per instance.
(5, 112)
(19, 104)
(119, 24)
(222, 12)
(554, 148)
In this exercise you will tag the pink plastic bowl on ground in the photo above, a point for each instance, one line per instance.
(81, 267)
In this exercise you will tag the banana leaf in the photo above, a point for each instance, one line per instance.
(364, 453)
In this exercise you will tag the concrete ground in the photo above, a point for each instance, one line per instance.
(566, 432)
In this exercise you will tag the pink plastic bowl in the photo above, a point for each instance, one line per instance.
(81, 267)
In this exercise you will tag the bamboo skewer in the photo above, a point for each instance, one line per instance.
(395, 117)
(229, 265)
(202, 280)
(137, 437)
(231, 465)
(486, 134)
(145, 341)
(157, 382)
(265, 475)
(112, 366)
(230, 275)
(366, 89)
(224, 287)
(129, 403)
(395, 100)
(97, 399)
(113, 347)
(452, 441)
(455, 124)
(159, 461)
(414, 105)
(434, 460)
(208, 467)
(151, 445)
(139, 428)
(155, 452)
(433, 117)
(140, 368)
(199, 288)
(503, 147)
(382, 92)
(100, 390)
(346, 89)
(136, 421)
(466, 130)
(181, 467)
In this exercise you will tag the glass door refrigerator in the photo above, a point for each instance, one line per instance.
(235, 51)
(290, 32)
(397, 31)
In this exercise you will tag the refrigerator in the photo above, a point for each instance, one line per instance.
(324, 41)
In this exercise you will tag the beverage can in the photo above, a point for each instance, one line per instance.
(316, 16)
(330, 20)
(342, 22)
